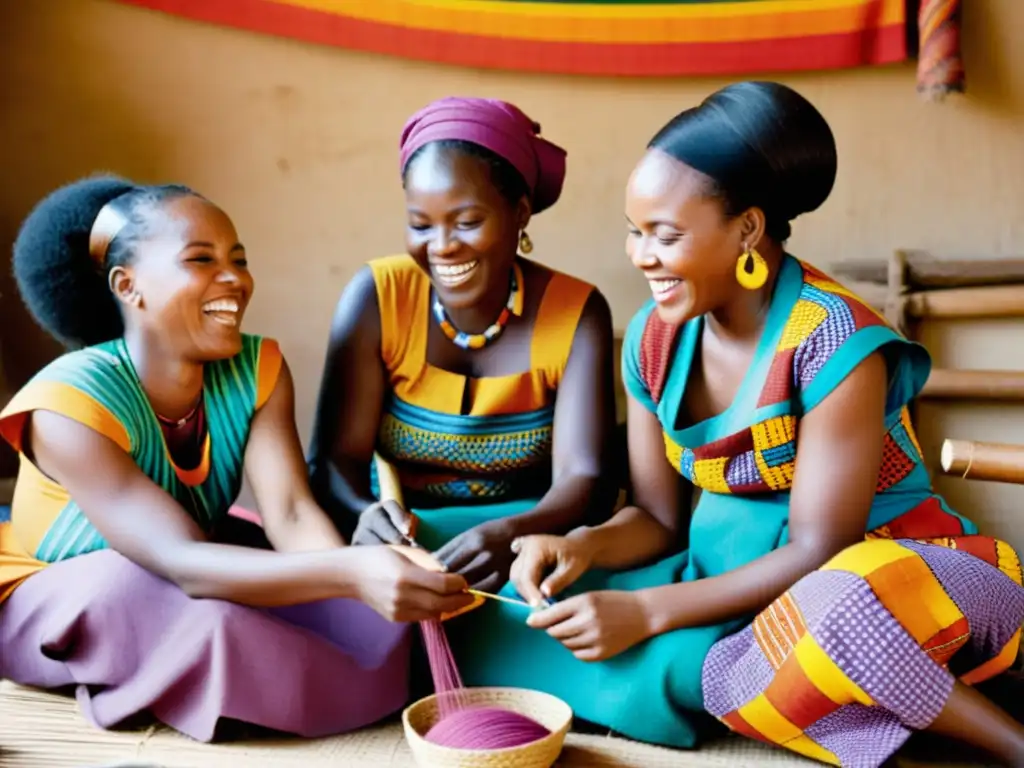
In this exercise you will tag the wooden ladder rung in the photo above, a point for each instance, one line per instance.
(953, 384)
(959, 303)
(997, 462)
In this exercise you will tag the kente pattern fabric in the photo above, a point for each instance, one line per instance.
(759, 458)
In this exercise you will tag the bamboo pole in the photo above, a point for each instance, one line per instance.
(952, 384)
(391, 490)
(997, 462)
(387, 480)
(896, 289)
(986, 301)
(925, 271)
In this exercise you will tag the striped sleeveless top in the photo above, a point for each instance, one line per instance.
(99, 388)
(500, 449)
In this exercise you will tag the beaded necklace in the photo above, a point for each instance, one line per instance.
(514, 305)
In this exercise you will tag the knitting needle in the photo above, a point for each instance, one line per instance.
(502, 598)
(548, 602)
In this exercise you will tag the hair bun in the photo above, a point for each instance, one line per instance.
(763, 143)
(57, 279)
(791, 136)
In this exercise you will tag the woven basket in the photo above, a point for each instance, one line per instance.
(553, 713)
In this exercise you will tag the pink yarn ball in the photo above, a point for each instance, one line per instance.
(485, 728)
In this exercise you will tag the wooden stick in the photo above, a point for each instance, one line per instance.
(986, 301)
(952, 384)
(896, 289)
(391, 490)
(387, 479)
(998, 462)
(925, 271)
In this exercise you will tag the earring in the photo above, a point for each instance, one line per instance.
(525, 243)
(751, 269)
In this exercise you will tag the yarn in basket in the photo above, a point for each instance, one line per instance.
(464, 726)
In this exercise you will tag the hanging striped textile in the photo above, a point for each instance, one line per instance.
(940, 68)
(599, 37)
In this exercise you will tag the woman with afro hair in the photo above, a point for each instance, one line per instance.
(114, 575)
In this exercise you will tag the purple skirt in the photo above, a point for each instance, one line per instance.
(132, 643)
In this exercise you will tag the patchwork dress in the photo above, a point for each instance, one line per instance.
(851, 659)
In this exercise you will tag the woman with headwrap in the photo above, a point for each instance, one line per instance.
(483, 377)
(828, 600)
(115, 574)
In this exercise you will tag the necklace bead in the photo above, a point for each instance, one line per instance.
(479, 340)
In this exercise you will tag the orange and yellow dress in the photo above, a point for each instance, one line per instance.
(461, 466)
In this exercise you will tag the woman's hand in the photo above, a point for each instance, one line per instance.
(401, 588)
(597, 625)
(569, 556)
(385, 522)
(483, 555)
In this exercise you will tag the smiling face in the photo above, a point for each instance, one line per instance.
(680, 238)
(188, 284)
(461, 230)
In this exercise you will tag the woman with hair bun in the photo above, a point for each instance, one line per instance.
(827, 600)
(113, 577)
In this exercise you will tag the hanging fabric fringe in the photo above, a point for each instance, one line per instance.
(940, 67)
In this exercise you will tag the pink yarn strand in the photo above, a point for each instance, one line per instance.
(458, 725)
(443, 669)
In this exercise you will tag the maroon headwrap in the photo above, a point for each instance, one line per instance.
(499, 127)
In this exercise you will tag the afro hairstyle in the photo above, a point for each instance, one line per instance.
(65, 289)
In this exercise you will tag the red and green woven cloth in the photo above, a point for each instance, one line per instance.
(595, 37)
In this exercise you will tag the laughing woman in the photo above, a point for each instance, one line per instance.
(132, 451)
(484, 377)
(828, 601)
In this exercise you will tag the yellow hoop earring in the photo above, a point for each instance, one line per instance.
(751, 269)
(525, 243)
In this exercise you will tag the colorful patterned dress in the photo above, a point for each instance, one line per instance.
(856, 655)
(76, 613)
(458, 469)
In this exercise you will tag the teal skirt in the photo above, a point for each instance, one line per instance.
(652, 692)
(438, 526)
